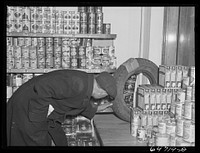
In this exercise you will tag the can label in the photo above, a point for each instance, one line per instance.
(141, 135)
(33, 63)
(189, 93)
(9, 91)
(25, 63)
(91, 28)
(17, 52)
(179, 127)
(188, 108)
(179, 109)
(99, 28)
(82, 51)
(91, 18)
(185, 82)
(181, 95)
(173, 77)
(188, 131)
(83, 27)
(107, 28)
(18, 63)
(40, 41)
(83, 16)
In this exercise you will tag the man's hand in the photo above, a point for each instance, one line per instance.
(102, 107)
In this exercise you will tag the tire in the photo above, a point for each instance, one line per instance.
(132, 66)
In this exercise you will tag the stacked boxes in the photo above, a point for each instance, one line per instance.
(79, 131)
(168, 111)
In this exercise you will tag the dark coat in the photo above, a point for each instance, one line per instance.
(68, 91)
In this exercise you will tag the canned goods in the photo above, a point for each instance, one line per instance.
(83, 17)
(193, 93)
(81, 63)
(27, 41)
(144, 119)
(172, 140)
(17, 80)
(171, 128)
(106, 28)
(155, 118)
(33, 63)
(162, 127)
(179, 109)
(83, 27)
(141, 134)
(49, 62)
(188, 131)
(18, 63)
(25, 63)
(91, 9)
(91, 28)
(185, 82)
(179, 127)
(162, 139)
(17, 52)
(99, 18)
(99, 28)
(189, 93)
(134, 122)
(193, 113)
(25, 52)
(192, 75)
(82, 51)
(91, 18)
(74, 51)
(97, 50)
(181, 95)
(34, 41)
(188, 108)
(178, 76)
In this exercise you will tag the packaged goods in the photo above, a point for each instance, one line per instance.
(91, 28)
(189, 93)
(178, 76)
(83, 17)
(10, 63)
(83, 27)
(17, 13)
(25, 51)
(164, 99)
(135, 122)
(171, 128)
(164, 76)
(172, 76)
(17, 80)
(150, 119)
(179, 109)
(82, 9)
(66, 63)
(179, 126)
(106, 28)
(18, 63)
(185, 82)
(17, 52)
(181, 95)
(99, 28)
(192, 75)
(9, 41)
(141, 134)
(25, 63)
(155, 118)
(185, 71)
(193, 93)
(188, 108)
(10, 51)
(162, 127)
(27, 41)
(188, 131)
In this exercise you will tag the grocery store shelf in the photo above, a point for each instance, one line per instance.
(97, 36)
(49, 70)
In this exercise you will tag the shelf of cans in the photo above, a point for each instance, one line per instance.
(165, 114)
(54, 53)
(80, 131)
(49, 20)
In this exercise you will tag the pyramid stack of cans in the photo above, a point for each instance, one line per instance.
(79, 131)
(165, 113)
(49, 20)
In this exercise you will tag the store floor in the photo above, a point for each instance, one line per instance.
(114, 131)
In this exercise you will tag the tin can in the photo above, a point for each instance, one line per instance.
(32, 52)
(97, 50)
(99, 28)
(188, 131)
(49, 62)
(162, 127)
(17, 80)
(173, 77)
(9, 41)
(81, 63)
(193, 93)
(106, 28)
(82, 51)
(10, 63)
(27, 41)
(178, 76)
(134, 122)
(192, 75)
(91, 9)
(26, 27)
(91, 28)
(181, 95)
(18, 63)
(185, 70)
(74, 51)
(91, 18)
(185, 82)
(179, 126)
(25, 63)
(25, 52)
(83, 27)
(141, 135)
(179, 109)
(40, 41)
(189, 93)
(128, 98)
(99, 18)
(49, 41)
(17, 51)
(171, 128)
(155, 118)
(34, 42)
(10, 52)
(167, 77)
(33, 63)
(162, 139)
(9, 91)
(188, 108)
(150, 119)
(144, 119)
(73, 63)
(65, 63)
(83, 17)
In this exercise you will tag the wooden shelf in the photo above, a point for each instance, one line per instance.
(95, 36)
(49, 70)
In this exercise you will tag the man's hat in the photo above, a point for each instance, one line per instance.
(107, 82)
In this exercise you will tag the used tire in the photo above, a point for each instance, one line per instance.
(132, 66)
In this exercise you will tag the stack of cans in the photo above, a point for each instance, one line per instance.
(33, 53)
(57, 52)
(41, 52)
(49, 53)
(65, 53)
(59, 21)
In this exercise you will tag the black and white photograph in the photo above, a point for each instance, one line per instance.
(97, 76)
